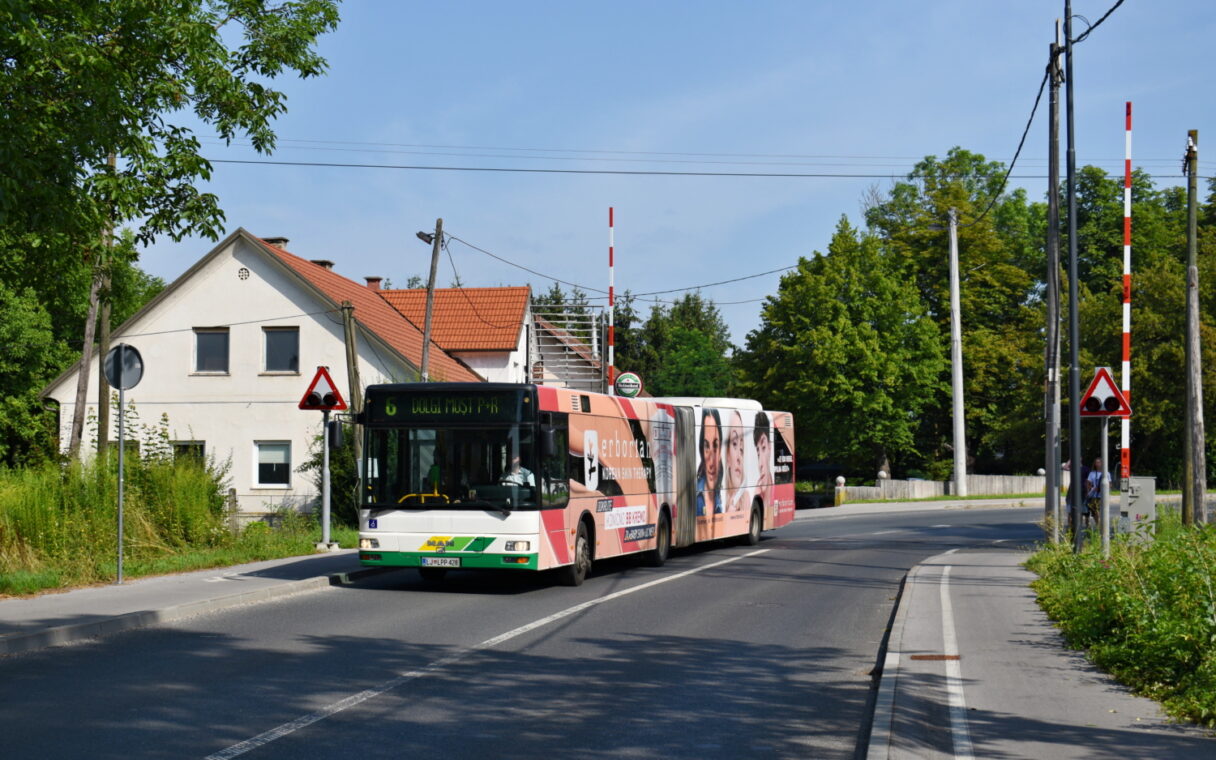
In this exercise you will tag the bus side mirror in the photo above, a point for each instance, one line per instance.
(336, 437)
(548, 442)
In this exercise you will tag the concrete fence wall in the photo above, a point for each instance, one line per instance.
(977, 485)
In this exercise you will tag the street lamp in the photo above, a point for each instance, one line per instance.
(435, 240)
(956, 362)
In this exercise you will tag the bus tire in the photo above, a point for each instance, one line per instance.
(662, 542)
(432, 574)
(574, 573)
(754, 527)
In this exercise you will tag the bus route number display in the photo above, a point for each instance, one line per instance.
(446, 407)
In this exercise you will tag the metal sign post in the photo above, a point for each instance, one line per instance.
(325, 477)
(1102, 399)
(124, 368)
(322, 395)
(1104, 519)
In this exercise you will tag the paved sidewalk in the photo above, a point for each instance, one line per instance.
(61, 618)
(974, 669)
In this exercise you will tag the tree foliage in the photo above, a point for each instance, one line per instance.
(98, 102)
(804, 344)
(848, 345)
(681, 349)
(84, 79)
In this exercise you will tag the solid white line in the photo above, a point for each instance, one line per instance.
(356, 699)
(883, 532)
(954, 676)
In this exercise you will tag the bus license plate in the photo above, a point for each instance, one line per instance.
(441, 561)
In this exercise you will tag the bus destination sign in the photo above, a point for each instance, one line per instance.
(448, 406)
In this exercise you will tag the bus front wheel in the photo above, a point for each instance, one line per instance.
(574, 573)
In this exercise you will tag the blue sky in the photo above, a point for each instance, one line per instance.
(710, 86)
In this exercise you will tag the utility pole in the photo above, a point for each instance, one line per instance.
(1052, 394)
(103, 340)
(1076, 491)
(956, 362)
(352, 378)
(1195, 468)
(430, 300)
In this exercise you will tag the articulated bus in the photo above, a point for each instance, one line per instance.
(533, 477)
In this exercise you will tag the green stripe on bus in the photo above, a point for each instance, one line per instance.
(467, 560)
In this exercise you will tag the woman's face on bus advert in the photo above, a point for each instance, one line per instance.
(711, 451)
(734, 452)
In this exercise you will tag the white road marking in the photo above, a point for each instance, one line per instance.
(954, 676)
(941, 526)
(883, 532)
(356, 699)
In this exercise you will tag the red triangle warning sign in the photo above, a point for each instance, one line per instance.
(322, 394)
(1104, 399)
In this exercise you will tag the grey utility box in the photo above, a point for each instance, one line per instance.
(1137, 503)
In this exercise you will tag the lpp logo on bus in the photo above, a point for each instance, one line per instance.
(591, 459)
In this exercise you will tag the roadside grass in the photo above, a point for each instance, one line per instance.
(1147, 615)
(58, 524)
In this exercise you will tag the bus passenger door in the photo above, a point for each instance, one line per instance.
(684, 532)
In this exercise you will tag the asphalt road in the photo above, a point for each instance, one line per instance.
(727, 651)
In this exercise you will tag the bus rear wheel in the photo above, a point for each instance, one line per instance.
(576, 572)
(662, 542)
(754, 527)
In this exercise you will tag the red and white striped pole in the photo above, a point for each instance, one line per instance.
(611, 303)
(1125, 453)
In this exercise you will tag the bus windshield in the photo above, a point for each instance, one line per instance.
(491, 467)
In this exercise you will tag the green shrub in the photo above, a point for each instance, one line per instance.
(1147, 614)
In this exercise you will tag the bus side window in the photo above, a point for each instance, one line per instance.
(555, 483)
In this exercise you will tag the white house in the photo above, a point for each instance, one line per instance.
(229, 349)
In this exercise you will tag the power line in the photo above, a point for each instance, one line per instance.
(472, 306)
(526, 269)
(314, 144)
(1005, 181)
(604, 293)
(1090, 30)
(533, 170)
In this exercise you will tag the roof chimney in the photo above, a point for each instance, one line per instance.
(323, 263)
(373, 283)
(277, 242)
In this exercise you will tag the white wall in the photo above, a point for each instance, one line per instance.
(231, 412)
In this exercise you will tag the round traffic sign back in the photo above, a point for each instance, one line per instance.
(124, 367)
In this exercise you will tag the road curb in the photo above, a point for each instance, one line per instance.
(879, 746)
(67, 634)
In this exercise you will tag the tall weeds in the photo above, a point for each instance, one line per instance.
(1147, 614)
(59, 522)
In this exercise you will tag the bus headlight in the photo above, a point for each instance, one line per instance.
(369, 543)
(518, 546)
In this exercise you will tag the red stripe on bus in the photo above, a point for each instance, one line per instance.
(547, 398)
(555, 532)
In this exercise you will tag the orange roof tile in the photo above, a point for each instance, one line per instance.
(376, 315)
(467, 319)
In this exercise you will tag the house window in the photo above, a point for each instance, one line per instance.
(282, 349)
(274, 464)
(211, 349)
(193, 450)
